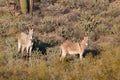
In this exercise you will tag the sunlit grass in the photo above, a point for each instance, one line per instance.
(71, 20)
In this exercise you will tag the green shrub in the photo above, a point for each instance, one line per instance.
(116, 29)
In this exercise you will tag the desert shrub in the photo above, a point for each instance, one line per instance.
(21, 26)
(89, 23)
(93, 36)
(3, 62)
(50, 40)
(49, 24)
(114, 12)
(7, 16)
(115, 41)
(70, 19)
(53, 53)
(66, 32)
(36, 20)
(76, 3)
(54, 21)
(10, 43)
(102, 28)
(4, 29)
(12, 30)
(2, 13)
(2, 3)
(56, 8)
(111, 13)
(46, 29)
(116, 29)
(73, 15)
(25, 18)
(87, 4)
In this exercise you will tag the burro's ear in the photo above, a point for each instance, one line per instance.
(31, 29)
(86, 38)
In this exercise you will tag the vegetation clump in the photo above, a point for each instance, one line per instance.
(55, 21)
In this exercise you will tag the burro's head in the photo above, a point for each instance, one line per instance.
(86, 40)
(30, 33)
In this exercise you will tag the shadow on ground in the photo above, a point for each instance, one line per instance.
(41, 46)
(93, 52)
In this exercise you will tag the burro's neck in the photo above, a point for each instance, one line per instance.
(83, 44)
(30, 36)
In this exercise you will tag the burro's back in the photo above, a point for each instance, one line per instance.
(73, 48)
(25, 41)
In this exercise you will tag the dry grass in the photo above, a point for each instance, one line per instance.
(67, 19)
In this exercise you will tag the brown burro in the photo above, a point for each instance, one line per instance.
(25, 41)
(71, 48)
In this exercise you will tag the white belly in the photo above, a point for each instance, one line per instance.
(73, 52)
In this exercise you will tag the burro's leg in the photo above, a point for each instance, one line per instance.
(23, 48)
(63, 54)
(27, 49)
(30, 50)
(81, 55)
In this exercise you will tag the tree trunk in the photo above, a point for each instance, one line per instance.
(30, 6)
(24, 6)
(7, 3)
